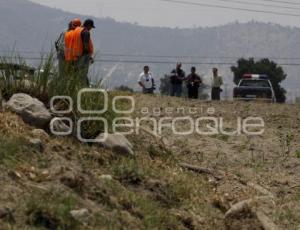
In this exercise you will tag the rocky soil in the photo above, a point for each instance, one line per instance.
(167, 181)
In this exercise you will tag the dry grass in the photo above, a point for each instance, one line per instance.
(152, 191)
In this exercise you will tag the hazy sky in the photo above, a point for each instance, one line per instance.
(161, 13)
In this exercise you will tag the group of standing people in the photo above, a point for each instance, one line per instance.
(75, 48)
(75, 52)
(177, 78)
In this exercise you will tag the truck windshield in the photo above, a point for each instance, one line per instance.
(255, 83)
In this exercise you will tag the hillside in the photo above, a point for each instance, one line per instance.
(32, 27)
(40, 187)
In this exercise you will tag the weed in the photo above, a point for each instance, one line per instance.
(285, 139)
(297, 197)
(153, 152)
(17, 77)
(159, 152)
(288, 217)
(172, 195)
(13, 151)
(129, 172)
(155, 216)
(45, 82)
(43, 163)
(222, 137)
(258, 166)
(51, 210)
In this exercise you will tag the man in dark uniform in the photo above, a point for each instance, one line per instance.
(177, 77)
(193, 83)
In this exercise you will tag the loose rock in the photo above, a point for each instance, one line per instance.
(81, 215)
(60, 127)
(30, 109)
(40, 133)
(14, 175)
(118, 143)
(37, 144)
(106, 177)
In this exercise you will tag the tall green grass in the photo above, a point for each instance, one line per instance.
(46, 82)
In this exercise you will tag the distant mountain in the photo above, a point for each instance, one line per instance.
(31, 27)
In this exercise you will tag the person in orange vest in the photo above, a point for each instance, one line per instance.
(83, 49)
(69, 36)
(63, 46)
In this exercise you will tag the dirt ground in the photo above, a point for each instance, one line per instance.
(174, 182)
(266, 164)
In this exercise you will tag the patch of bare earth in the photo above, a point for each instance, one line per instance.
(246, 166)
(174, 182)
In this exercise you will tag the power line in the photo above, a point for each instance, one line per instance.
(153, 56)
(186, 63)
(230, 8)
(285, 2)
(194, 56)
(24, 58)
(166, 57)
(159, 62)
(162, 62)
(122, 55)
(260, 4)
(16, 52)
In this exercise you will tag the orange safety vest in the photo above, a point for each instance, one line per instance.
(69, 36)
(77, 44)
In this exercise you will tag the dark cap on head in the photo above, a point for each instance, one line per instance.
(89, 22)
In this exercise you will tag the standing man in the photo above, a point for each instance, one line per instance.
(146, 81)
(193, 83)
(83, 49)
(217, 82)
(60, 49)
(63, 46)
(69, 36)
(177, 77)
